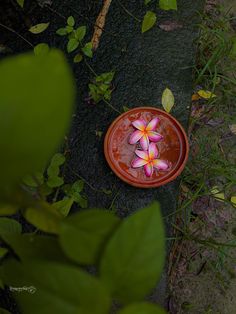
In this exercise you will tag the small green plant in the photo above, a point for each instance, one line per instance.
(75, 39)
(49, 184)
(100, 88)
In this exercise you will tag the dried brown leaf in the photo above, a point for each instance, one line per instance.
(169, 26)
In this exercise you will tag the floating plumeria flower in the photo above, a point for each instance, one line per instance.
(145, 133)
(149, 160)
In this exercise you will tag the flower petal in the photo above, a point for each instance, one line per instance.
(144, 142)
(152, 151)
(141, 154)
(148, 168)
(135, 137)
(152, 124)
(138, 162)
(139, 124)
(154, 136)
(160, 164)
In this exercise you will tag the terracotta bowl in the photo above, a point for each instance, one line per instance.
(119, 153)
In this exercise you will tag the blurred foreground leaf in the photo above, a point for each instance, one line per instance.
(58, 288)
(36, 97)
(133, 259)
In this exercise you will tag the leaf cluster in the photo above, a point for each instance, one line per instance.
(75, 40)
(100, 88)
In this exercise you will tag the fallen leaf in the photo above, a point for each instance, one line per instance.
(206, 94)
(167, 100)
(39, 28)
(233, 128)
(217, 194)
(149, 21)
(169, 26)
(78, 58)
(195, 97)
(233, 200)
(215, 122)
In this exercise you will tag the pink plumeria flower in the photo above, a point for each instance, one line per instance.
(149, 160)
(145, 133)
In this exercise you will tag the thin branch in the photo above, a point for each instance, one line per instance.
(19, 35)
(100, 23)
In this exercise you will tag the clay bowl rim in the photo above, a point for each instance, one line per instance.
(159, 183)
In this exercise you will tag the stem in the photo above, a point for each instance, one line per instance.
(113, 201)
(85, 181)
(195, 195)
(90, 68)
(110, 105)
(19, 35)
(128, 12)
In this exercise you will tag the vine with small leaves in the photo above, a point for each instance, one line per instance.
(75, 40)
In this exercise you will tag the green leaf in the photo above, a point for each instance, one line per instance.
(149, 21)
(72, 44)
(61, 31)
(69, 30)
(59, 288)
(77, 186)
(146, 2)
(74, 193)
(8, 209)
(45, 218)
(45, 190)
(82, 201)
(87, 50)
(105, 191)
(30, 246)
(20, 2)
(220, 196)
(55, 182)
(78, 58)
(83, 235)
(80, 32)
(206, 94)
(167, 100)
(2, 310)
(41, 49)
(233, 200)
(3, 252)
(168, 4)
(43, 88)
(56, 161)
(64, 205)
(8, 225)
(125, 109)
(142, 308)
(133, 259)
(39, 28)
(71, 21)
(105, 78)
(34, 180)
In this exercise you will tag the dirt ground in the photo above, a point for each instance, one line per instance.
(203, 274)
